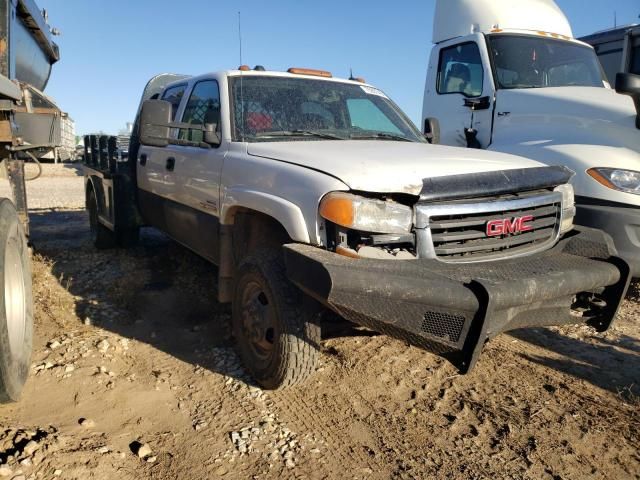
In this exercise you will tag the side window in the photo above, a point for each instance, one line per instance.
(367, 116)
(203, 107)
(460, 70)
(174, 96)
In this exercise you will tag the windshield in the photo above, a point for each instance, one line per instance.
(276, 109)
(528, 62)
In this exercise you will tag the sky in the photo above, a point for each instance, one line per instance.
(110, 48)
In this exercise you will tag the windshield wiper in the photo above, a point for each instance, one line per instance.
(381, 136)
(298, 133)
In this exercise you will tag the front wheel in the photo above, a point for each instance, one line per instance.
(16, 304)
(277, 329)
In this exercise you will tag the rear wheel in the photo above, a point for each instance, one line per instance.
(101, 236)
(277, 329)
(16, 304)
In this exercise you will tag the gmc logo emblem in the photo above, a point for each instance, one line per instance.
(505, 226)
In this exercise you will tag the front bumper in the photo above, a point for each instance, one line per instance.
(623, 224)
(453, 309)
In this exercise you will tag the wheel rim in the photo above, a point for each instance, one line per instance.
(258, 321)
(14, 296)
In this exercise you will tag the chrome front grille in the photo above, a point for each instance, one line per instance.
(458, 231)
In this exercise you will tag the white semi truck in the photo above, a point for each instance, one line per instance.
(313, 193)
(508, 76)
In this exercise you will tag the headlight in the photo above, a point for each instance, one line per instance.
(568, 207)
(366, 214)
(617, 179)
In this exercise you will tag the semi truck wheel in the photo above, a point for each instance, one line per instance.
(101, 236)
(16, 304)
(276, 329)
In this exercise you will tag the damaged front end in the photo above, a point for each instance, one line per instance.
(466, 284)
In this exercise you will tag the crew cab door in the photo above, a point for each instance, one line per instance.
(193, 170)
(459, 73)
(153, 179)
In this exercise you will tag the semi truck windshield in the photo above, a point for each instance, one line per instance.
(522, 61)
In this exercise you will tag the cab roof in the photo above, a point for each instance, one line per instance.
(458, 18)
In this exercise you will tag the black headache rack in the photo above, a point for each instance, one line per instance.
(453, 309)
(112, 176)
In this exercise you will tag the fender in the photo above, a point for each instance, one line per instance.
(285, 212)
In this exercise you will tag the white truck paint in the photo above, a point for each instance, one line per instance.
(308, 191)
(572, 117)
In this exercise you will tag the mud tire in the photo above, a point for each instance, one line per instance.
(16, 304)
(294, 320)
(101, 236)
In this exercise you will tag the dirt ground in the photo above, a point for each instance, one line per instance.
(133, 357)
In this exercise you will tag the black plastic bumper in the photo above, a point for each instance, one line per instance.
(453, 309)
(623, 224)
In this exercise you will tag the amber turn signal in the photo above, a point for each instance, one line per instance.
(601, 179)
(310, 71)
(338, 208)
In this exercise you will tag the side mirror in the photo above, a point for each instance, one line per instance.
(155, 118)
(210, 134)
(432, 130)
(629, 84)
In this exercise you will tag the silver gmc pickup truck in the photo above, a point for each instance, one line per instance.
(312, 193)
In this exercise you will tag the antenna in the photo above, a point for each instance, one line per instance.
(241, 72)
(240, 34)
(615, 19)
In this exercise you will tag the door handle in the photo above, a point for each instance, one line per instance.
(171, 163)
(143, 159)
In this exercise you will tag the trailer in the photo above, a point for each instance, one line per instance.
(618, 50)
(27, 55)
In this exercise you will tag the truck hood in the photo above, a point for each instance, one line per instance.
(576, 127)
(386, 166)
(577, 115)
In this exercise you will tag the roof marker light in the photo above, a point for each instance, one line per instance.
(310, 71)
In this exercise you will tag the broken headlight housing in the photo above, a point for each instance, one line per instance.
(366, 214)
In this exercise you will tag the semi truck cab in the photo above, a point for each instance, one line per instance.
(509, 77)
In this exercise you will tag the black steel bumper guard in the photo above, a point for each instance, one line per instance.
(453, 309)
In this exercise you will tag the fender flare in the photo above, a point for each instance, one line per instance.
(286, 213)
(94, 182)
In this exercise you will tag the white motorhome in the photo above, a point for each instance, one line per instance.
(509, 76)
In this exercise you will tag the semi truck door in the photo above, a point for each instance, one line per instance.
(195, 174)
(459, 92)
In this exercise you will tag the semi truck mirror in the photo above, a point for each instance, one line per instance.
(629, 84)
(155, 118)
(211, 134)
